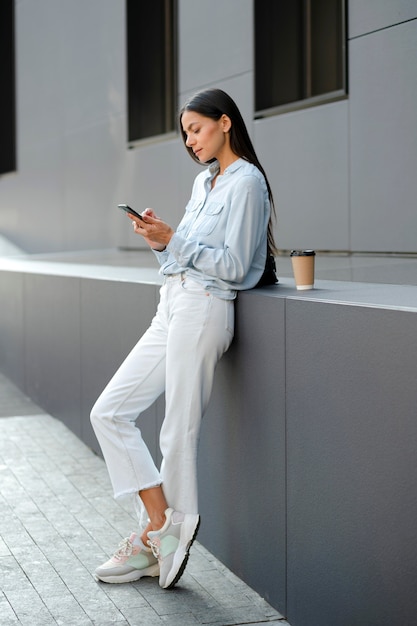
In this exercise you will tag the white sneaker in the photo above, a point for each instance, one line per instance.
(130, 562)
(171, 545)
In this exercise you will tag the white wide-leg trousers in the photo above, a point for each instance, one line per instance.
(177, 354)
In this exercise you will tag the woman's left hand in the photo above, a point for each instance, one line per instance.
(155, 232)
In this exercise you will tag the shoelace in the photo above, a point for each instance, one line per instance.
(125, 548)
(154, 546)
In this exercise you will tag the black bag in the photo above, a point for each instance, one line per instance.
(269, 277)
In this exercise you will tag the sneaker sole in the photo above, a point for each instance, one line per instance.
(130, 577)
(182, 557)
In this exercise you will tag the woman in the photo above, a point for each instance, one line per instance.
(219, 248)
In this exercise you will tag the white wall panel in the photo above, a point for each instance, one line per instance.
(38, 72)
(38, 197)
(305, 154)
(215, 41)
(92, 64)
(366, 17)
(383, 96)
(26, 194)
(94, 167)
(71, 119)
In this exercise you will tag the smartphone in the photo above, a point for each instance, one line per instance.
(127, 208)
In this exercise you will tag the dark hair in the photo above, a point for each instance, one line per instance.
(214, 103)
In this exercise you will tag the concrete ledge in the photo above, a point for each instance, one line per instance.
(307, 455)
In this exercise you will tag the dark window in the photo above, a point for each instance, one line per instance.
(299, 51)
(151, 67)
(7, 82)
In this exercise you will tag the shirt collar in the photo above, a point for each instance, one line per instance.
(215, 167)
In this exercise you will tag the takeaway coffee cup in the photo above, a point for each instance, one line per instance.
(303, 268)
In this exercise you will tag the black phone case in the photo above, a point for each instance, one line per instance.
(128, 209)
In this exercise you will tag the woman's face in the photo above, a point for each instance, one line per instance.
(208, 138)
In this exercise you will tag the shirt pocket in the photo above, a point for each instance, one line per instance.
(189, 215)
(208, 218)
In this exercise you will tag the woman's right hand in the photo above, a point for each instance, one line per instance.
(138, 228)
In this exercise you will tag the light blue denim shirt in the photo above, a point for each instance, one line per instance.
(221, 241)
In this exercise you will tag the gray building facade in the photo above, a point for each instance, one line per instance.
(343, 172)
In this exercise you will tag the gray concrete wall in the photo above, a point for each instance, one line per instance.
(307, 463)
(242, 458)
(351, 465)
(342, 173)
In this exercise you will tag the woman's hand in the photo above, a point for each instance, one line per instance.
(155, 232)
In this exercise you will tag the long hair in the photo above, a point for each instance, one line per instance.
(214, 103)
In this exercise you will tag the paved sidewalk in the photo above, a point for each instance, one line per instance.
(58, 521)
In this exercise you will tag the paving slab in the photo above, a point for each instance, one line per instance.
(58, 521)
